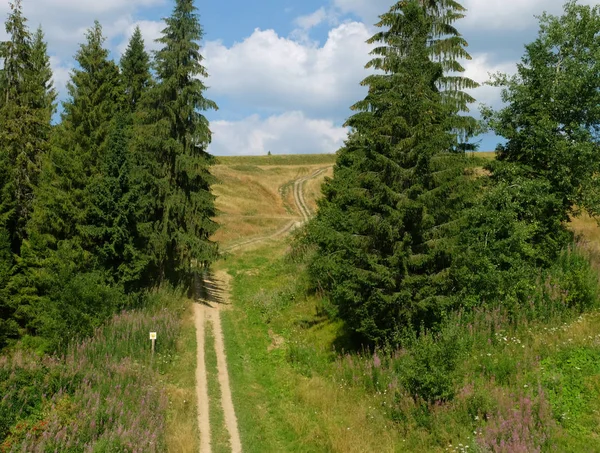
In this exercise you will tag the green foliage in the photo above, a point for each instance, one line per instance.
(427, 369)
(111, 229)
(551, 121)
(135, 66)
(26, 103)
(386, 223)
(173, 136)
(544, 173)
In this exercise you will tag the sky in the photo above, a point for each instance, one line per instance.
(285, 72)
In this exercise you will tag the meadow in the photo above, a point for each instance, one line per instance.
(489, 380)
(106, 393)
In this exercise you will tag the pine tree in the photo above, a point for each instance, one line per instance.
(172, 150)
(95, 97)
(79, 141)
(135, 66)
(25, 114)
(60, 282)
(112, 221)
(381, 224)
(45, 94)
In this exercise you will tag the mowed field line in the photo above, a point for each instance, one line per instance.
(303, 210)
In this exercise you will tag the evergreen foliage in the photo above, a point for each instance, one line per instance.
(172, 140)
(26, 103)
(135, 68)
(383, 228)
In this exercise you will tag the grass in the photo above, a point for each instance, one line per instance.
(533, 387)
(107, 393)
(295, 408)
(255, 198)
(279, 159)
(181, 434)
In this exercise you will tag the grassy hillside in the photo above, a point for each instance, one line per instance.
(254, 194)
(511, 386)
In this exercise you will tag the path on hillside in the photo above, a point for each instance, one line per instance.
(208, 310)
(303, 210)
(215, 297)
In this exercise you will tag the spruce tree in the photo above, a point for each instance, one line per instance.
(380, 229)
(111, 225)
(135, 67)
(45, 93)
(25, 114)
(172, 150)
(95, 96)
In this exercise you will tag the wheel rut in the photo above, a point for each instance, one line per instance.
(207, 309)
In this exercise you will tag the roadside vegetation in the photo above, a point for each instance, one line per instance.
(486, 381)
(100, 214)
(440, 299)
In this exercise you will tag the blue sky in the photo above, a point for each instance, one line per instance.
(284, 72)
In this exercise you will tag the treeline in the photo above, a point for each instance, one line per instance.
(115, 198)
(410, 230)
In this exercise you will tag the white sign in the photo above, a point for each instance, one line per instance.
(153, 335)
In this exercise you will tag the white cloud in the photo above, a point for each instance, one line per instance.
(479, 69)
(509, 14)
(151, 30)
(61, 74)
(312, 20)
(288, 133)
(276, 73)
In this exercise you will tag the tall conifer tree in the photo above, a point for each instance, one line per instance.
(79, 141)
(380, 250)
(135, 67)
(173, 150)
(25, 114)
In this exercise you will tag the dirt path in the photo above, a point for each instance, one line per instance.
(208, 309)
(201, 383)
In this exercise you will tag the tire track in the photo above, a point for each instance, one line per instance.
(301, 205)
(208, 310)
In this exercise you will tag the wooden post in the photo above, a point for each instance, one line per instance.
(153, 338)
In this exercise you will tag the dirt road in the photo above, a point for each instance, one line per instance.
(215, 298)
(302, 207)
(208, 310)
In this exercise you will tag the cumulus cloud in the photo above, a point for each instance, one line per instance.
(479, 69)
(509, 14)
(151, 31)
(288, 133)
(275, 73)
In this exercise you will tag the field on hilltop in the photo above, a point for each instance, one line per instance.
(255, 193)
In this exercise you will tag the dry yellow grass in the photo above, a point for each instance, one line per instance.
(587, 229)
(257, 200)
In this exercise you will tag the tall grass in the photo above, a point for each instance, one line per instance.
(500, 378)
(104, 394)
